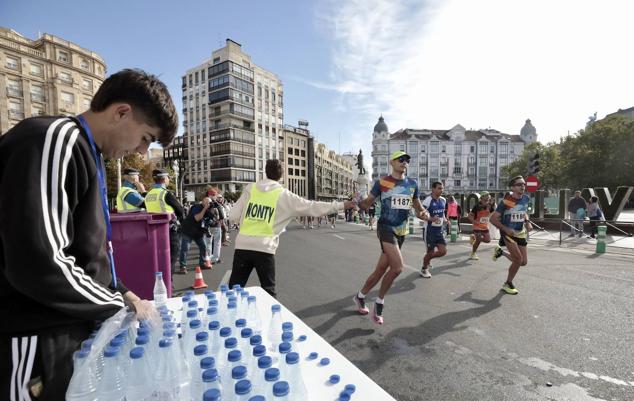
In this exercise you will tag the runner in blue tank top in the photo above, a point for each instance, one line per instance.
(436, 245)
(511, 218)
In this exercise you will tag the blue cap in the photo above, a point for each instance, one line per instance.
(272, 374)
(285, 347)
(136, 352)
(276, 308)
(213, 302)
(165, 342)
(192, 313)
(142, 331)
(334, 379)
(212, 310)
(287, 326)
(202, 336)
(344, 396)
(231, 305)
(239, 372)
(251, 298)
(246, 332)
(313, 355)
(265, 362)
(87, 344)
(292, 358)
(236, 287)
(287, 336)
(207, 362)
(301, 338)
(122, 334)
(234, 355)
(257, 398)
(192, 304)
(224, 287)
(241, 323)
(117, 342)
(324, 361)
(208, 293)
(166, 318)
(280, 389)
(350, 388)
(255, 339)
(168, 325)
(186, 299)
(82, 353)
(243, 387)
(200, 350)
(225, 332)
(213, 394)
(259, 350)
(229, 293)
(158, 274)
(142, 339)
(231, 342)
(214, 325)
(210, 375)
(244, 294)
(110, 351)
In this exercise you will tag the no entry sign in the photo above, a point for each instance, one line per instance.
(532, 183)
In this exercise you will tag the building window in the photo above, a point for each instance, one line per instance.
(471, 149)
(492, 148)
(37, 110)
(16, 111)
(63, 57)
(433, 147)
(86, 104)
(65, 77)
(456, 183)
(290, 171)
(68, 97)
(37, 70)
(37, 93)
(84, 64)
(87, 84)
(13, 63)
(14, 87)
(504, 147)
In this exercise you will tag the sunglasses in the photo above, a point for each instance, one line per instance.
(403, 159)
(519, 184)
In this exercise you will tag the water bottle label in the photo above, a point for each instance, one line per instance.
(160, 299)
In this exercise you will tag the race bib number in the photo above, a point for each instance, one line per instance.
(518, 217)
(403, 202)
(437, 223)
(484, 220)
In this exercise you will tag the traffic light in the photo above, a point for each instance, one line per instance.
(533, 164)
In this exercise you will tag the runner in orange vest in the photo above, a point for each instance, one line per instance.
(479, 217)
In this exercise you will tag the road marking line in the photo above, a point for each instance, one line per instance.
(338, 236)
(225, 278)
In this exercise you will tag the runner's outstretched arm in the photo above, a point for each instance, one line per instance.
(421, 212)
(365, 204)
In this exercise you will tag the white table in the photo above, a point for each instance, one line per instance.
(315, 376)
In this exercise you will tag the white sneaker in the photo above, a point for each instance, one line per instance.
(425, 273)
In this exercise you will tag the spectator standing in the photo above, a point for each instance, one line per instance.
(577, 212)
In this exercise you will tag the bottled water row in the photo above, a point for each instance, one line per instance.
(212, 351)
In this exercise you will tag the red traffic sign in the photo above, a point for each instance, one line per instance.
(532, 183)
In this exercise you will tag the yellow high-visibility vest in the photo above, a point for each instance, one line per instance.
(122, 205)
(155, 201)
(259, 214)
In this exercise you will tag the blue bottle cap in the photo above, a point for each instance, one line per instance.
(280, 389)
(82, 353)
(284, 347)
(142, 339)
(257, 398)
(272, 374)
(212, 310)
(292, 358)
(265, 362)
(208, 293)
(231, 305)
(239, 372)
(301, 338)
(234, 355)
(190, 293)
(287, 336)
(334, 379)
(213, 394)
(244, 294)
(194, 324)
(344, 396)
(232, 299)
(259, 350)
(243, 387)
(276, 308)
(225, 332)
(165, 342)
(224, 287)
(229, 293)
(213, 302)
(255, 339)
(231, 342)
(110, 351)
(324, 361)
(143, 331)
(207, 362)
(136, 352)
(166, 318)
(214, 325)
(123, 334)
(251, 298)
(117, 342)
(159, 274)
(200, 350)
(287, 326)
(168, 325)
(236, 287)
(202, 336)
(169, 333)
(351, 388)
(313, 355)
(246, 332)
(192, 313)
(241, 323)
(210, 375)
(186, 299)
(192, 304)
(87, 344)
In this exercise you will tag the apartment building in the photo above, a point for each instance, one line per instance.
(46, 76)
(334, 177)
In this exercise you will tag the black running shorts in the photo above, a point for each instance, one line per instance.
(518, 241)
(388, 235)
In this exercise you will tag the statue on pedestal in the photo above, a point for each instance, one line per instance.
(359, 163)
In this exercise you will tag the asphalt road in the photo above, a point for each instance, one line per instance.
(568, 335)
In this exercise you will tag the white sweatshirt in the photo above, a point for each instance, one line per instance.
(289, 206)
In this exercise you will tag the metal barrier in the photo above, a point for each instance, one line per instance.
(594, 224)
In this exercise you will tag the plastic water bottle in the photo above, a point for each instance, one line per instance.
(244, 343)
(256, 352)
(243, 390)
(240, 323)
(166, 374)
(234, 358)
(231, 313)
(189, 336)
(292, 372)
(202, 338)
(271, 376)
(112, 385)
(160, 292)
(275, 327)
(211, 395)
(214, 337)
(238, 373)
(244, 302)
(280, 391)
(200, 353)
(211, 315)
(211, 381)
(139, 379)
(83, 384)
(253, 316)
(283, 349)
(287, 336)
(287, 326)
(258, 374)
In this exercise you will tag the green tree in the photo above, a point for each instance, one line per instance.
(549, 164)
(133, 161)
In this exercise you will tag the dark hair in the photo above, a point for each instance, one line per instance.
(273, 169)
(517, 177)
(436, 184)
(146, 93)
(594, 199)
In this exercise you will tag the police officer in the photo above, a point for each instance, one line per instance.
(130, 195)
(160, 200)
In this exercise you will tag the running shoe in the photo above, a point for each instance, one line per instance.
(509, 288)
(360, 303)
(332, 226)
(474, 256)
(182, 270)
(377, 314)
(425, 272)
(472, 239)
(497, 252)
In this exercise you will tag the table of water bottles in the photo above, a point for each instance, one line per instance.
(229, 345)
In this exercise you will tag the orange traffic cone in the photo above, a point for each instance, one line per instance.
(199, 282)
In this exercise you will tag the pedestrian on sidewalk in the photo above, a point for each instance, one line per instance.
(511, 217)
(453, 211)
(577, 212)
(436, 244)
(57, 272)
(264, 210)
(594, 214)
(397, 194)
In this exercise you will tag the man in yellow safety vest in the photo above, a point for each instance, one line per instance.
(130, 195)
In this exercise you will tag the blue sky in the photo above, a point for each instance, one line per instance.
(421, 63)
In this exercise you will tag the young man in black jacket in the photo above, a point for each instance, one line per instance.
(56, 271)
